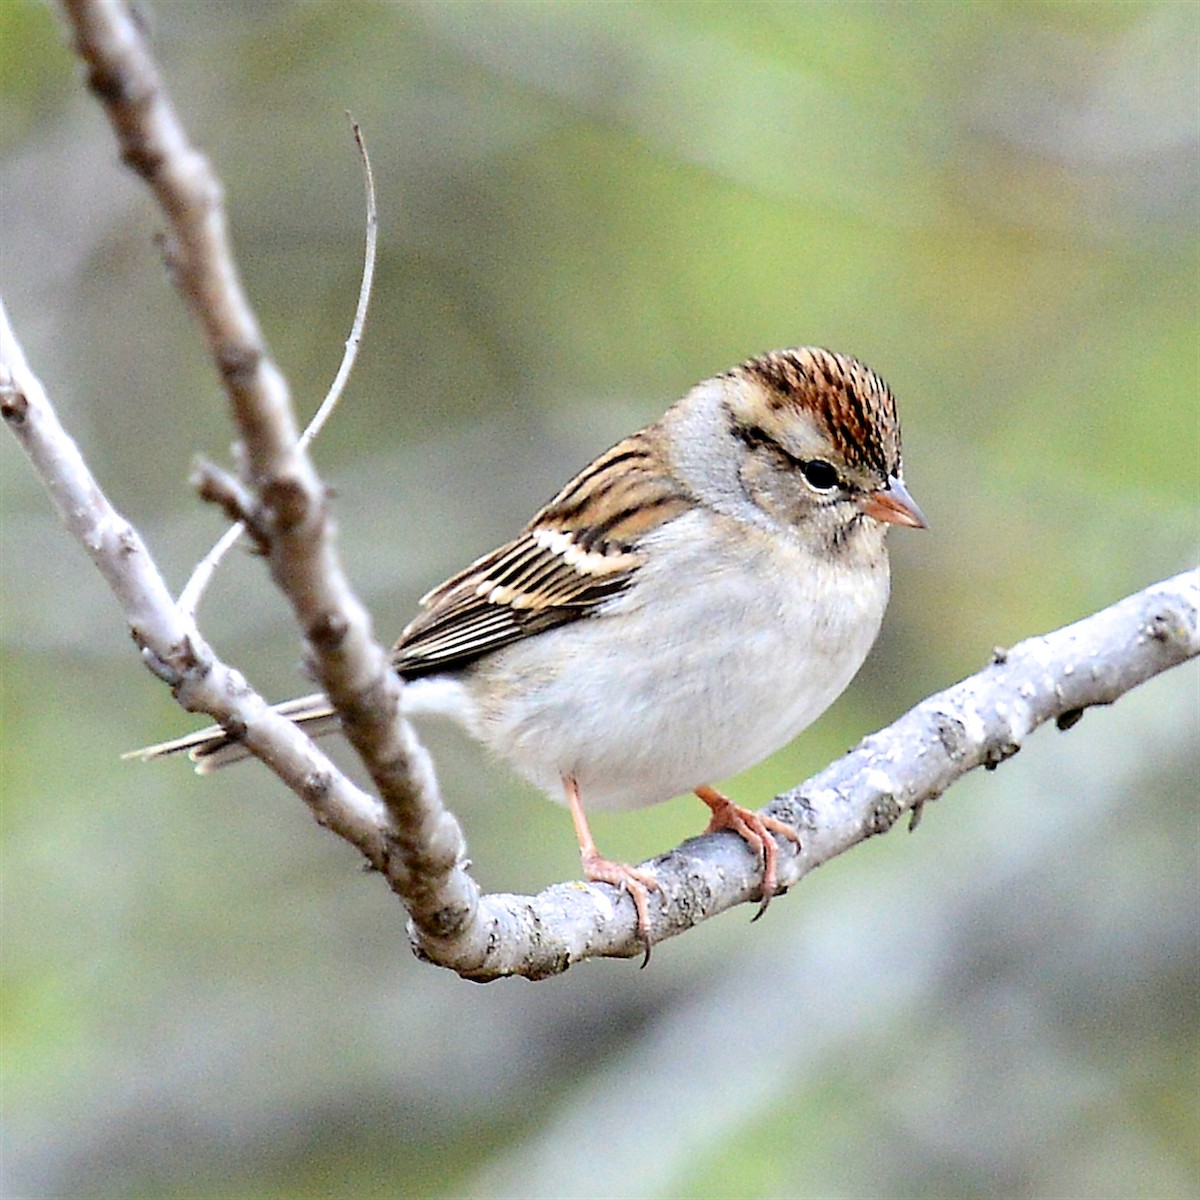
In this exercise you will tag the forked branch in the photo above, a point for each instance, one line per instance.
(408, 835)
(290, 513)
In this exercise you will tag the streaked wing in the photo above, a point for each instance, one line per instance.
(579, 551)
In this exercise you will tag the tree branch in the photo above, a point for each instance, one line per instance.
(189, 598)
(171, 645)
(981, 721)
(410, 837)
(423, 844)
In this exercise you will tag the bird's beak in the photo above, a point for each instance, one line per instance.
(894, 505)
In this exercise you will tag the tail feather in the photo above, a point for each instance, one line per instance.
(213, 748)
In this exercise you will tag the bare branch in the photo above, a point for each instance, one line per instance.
(981, 721)
(410, 837)
(292, 513)
(364, 300)
(171, 645)
(206, 568)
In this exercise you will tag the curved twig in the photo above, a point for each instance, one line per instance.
(189, 598)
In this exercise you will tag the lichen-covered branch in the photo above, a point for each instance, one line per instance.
(979, 722)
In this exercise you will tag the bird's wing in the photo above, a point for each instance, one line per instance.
(582, 549)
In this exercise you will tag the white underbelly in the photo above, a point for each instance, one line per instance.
(639, 706)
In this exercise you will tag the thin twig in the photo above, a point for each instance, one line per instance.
(206, 568)
(189, 598)
(364, 298)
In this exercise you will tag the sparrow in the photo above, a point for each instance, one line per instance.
(685, 606)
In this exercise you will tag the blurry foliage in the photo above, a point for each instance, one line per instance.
(585, 209)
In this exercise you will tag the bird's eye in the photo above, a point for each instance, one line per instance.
(821, 476)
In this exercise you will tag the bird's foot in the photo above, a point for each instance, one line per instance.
(753, 829)
(637, 883)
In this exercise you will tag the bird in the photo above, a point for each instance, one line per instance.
(686, 605)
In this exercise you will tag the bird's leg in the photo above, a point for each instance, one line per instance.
(754, 830)
(603, 870)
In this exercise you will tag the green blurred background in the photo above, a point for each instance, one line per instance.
(585, 208)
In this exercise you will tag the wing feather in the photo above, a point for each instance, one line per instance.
(578, 552)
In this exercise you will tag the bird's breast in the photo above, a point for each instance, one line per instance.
(700, 670)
